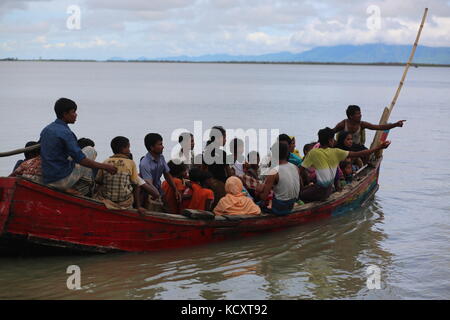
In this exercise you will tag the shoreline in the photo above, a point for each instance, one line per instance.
(387, 64)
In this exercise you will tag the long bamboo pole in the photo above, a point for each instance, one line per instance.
(17, 151)
(379, 136)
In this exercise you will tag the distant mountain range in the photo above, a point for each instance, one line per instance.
(369, 53)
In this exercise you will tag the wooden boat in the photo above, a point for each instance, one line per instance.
(36, 216)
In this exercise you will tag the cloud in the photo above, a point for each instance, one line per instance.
(157, 28)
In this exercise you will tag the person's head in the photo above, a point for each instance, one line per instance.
(307, 148)
(354, 113)
(283, 151)
(284, 138)
(292, 145)
(237, 146)
(346, 167)
(345, 140)
(177, 170)
(85, 142)
(33, 153)
(154, 143)
(219, 133)
(120, 145)
(186, 139)
(326, 137)
(201, 177)
(65, 110)
(253, 158)
(234, 186)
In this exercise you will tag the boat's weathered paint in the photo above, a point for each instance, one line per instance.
(33, 213)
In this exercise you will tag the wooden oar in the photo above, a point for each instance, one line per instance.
(14, 152)
(381, 136)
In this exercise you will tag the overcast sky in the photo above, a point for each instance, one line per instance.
(161, 28)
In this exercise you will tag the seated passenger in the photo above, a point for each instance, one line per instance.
(293, 149)
(202, 195)
(153, 166)
(236, 157)
(179, 173)
(31, 168)
(236, 202)
(186, 154)
(310, 177)
(28, 154)
(63, 162)
(121, 190)
(326, 160)
(345, 142)
(251, 178)
(347, 172)
(285, 181)
(294, 159)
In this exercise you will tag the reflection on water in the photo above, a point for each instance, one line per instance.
(322, 260)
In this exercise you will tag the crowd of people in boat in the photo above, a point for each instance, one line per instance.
(241, 186)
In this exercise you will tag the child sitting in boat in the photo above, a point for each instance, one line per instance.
(121, 190)
(179, 176)
(30, 168)
(202, 195)
(347, 172)
(236, 201)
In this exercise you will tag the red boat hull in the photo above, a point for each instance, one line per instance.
(35, 214)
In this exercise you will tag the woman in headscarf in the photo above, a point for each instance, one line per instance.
(236, 202)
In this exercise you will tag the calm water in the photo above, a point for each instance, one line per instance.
(404, 231)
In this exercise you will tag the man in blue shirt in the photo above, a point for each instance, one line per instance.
(58, 143)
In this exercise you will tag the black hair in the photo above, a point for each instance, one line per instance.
(176, 170)
(344, 164)
(254, 155)
(84, 142)
(283, 150)
(284, 137)
(64, 105)
(351, 110)
(325, 135)
(235, 143)
(341, 138)
(118, 143)
(183, 135)
(199, 176)
(151, 139)
(212, 135)
(307, 147)
(33, 153)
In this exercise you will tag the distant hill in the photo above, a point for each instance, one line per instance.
(369, 53)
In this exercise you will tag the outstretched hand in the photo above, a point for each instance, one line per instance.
(384, 144)
(400, 123)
